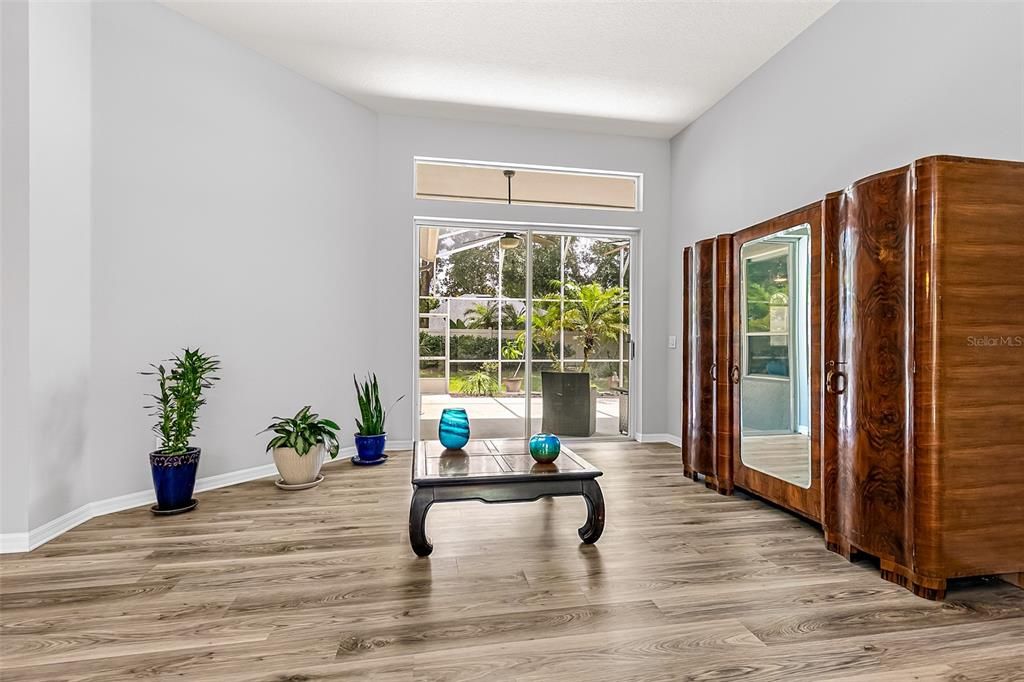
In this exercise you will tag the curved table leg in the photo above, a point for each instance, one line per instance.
(591, 531)
(422, 498)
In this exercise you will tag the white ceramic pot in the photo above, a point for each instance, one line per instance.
(295, 469)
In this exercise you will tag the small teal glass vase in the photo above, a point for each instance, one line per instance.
(453, 429)
(544, 447)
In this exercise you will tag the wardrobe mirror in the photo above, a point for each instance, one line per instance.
(774, 367)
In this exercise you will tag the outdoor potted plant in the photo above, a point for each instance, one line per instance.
(513, 350)
(299, 444)
(175, 463)
(370, 435)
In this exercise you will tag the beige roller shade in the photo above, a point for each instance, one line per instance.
(454, 182)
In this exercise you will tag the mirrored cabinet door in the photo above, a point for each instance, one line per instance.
(775, 291)
(774, 386)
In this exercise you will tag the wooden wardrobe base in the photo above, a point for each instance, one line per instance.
(921, 585)
(710, 482)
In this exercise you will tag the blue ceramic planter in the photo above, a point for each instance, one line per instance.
(545, 447)
(453, 429)
(370, 448)
(174, 478)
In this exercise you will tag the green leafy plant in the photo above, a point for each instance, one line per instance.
(180, 396)
(370, 409)
(513, 350)
(482, 316)
(304, 431)
(595, 314)
(482, 382)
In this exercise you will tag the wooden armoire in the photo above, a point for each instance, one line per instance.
(916, 377)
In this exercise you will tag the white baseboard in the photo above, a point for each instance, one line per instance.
(669, 438)
(13, 542)
(399, 445)
(26, 542)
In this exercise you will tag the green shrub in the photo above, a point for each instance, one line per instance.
(480, 383)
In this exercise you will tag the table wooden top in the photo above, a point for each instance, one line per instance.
(493, 461)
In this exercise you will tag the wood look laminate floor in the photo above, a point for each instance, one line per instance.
(260, 584)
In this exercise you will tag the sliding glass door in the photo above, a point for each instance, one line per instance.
(560, 364)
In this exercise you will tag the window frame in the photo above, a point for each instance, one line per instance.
(790, 334)
(637, 177)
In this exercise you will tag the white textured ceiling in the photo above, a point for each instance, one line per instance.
(642, 68)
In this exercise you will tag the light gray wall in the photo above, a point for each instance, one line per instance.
(60, 162)
(45, 261)
(867, 87)
(402, 138)
(232, 210)
(14, 201)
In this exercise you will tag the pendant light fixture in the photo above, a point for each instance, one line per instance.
(509, 174)
(510, 240)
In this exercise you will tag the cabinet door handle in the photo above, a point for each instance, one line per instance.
(714, 371)
(734, 374)
(831, 382)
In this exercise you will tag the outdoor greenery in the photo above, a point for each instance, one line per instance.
(482, 382)
(595, 314)
(475, 271)
(431, 345)
(580, 311)
(180, 396)
(513, 350)
(303, 432)
(370, 409)
(474, 347)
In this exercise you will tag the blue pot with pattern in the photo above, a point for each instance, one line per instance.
(453, 429)
(174, 479)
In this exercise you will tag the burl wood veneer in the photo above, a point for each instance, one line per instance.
(707, 400)
(923, 413)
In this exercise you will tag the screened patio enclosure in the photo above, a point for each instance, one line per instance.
(499, 308)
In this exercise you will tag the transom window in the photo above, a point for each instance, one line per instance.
(451, 180)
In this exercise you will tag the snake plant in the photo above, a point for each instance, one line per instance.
(370, 409)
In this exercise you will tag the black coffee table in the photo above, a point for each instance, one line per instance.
(497, 471)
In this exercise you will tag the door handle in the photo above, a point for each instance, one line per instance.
(835, 379)
(714, 371)
(734, 374)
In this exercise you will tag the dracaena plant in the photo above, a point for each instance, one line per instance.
(180, 395)
(371, 411)
(304, 431)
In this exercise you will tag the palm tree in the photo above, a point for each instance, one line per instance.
(482, 316)
(547, 326)
(594, 314)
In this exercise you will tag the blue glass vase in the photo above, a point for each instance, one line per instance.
(544, 447)
(453, 429)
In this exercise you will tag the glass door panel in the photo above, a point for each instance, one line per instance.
(581, 343)
(467, 327)
(527, 331)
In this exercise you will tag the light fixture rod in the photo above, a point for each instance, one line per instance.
(508, 175)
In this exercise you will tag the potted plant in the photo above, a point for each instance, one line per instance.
(594, 314)
(513, 350)
(180, 395)
(299, 444)
(370, 435)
